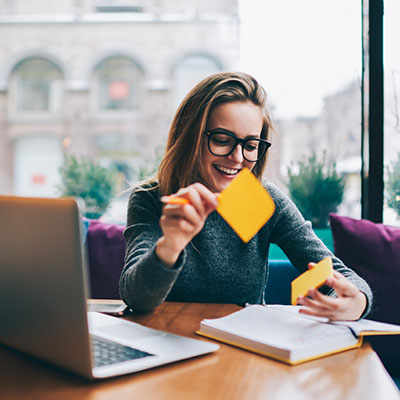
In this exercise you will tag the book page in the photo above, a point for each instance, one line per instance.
(363, 325)
(278, 329)
(295, 310)
(367, 325)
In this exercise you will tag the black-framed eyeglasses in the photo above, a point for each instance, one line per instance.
(222, 143)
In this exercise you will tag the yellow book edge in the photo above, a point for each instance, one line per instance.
(285, 360)
(376, 333)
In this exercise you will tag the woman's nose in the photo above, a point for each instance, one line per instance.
(237, 154)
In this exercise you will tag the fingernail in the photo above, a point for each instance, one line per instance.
(300, 300)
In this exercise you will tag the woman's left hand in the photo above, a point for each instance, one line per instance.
(348, 306)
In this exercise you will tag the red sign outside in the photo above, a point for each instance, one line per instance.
(38, 179)
(118, 90)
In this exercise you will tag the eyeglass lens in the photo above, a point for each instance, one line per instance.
(221, 144)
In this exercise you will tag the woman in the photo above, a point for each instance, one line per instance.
(187, 252)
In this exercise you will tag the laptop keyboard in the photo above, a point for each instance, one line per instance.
(106, 352)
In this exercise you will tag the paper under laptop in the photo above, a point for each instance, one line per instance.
(43, 298)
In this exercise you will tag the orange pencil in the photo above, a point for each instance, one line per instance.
(175, 200)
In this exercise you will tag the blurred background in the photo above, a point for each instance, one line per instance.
(89, 87)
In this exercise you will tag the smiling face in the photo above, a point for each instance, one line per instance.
(244, 120)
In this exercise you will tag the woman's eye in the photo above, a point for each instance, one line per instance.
(221, 141)
(251, 146)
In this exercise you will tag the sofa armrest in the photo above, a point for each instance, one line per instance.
(106, 253)
(281, 274)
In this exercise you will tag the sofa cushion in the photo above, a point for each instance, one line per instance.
(106, 252)
(373, 251)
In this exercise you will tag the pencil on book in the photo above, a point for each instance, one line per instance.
(175, 200)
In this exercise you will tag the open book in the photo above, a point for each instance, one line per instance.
(282, 333)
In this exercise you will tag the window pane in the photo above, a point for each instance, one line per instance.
(119, 81)
(36, 163)
(38, 86)
(392, 112)
(191, 71)
(308, 57)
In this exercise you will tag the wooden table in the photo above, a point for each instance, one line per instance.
(230, 373)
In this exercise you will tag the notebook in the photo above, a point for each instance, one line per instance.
(43, 288)
(282, 333)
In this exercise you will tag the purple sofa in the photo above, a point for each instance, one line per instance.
(106, 248)
(372, 250)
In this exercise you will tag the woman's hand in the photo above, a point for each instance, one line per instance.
(348, 306)
(181, 222)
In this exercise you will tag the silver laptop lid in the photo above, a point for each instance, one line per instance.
(42, 283)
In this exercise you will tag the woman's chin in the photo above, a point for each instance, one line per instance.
(218, 182)
(222, 184)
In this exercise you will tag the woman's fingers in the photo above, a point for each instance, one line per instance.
(328, 307)
(318, 312)
(316, 299)
(177, 223)
(341, 285)
(200, 197)
(194, 198)
(186, 213)
(181, 221)
(349, 304)
(203, 195)
(312, 265)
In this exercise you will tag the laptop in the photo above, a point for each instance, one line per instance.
(43, 287)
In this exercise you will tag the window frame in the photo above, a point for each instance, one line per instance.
(372, 109)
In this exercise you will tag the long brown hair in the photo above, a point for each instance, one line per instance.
(181, 163)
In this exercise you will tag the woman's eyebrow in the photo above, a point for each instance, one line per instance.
(222, 130)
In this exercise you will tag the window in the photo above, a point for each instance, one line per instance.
(307, 56)
(119, 84)
(36, 163)
(392, 112)
(309, 62)
(37, 86)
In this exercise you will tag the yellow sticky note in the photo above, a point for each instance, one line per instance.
(245, 205)
(312, 279)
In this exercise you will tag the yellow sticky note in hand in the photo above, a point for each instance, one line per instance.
(245, 205)
(312, 279)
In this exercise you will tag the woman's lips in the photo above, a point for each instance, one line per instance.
(231, 172)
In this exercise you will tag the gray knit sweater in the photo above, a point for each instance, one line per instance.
(216, 266)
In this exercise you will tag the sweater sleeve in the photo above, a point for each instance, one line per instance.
(145, 282)
(297, 239)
